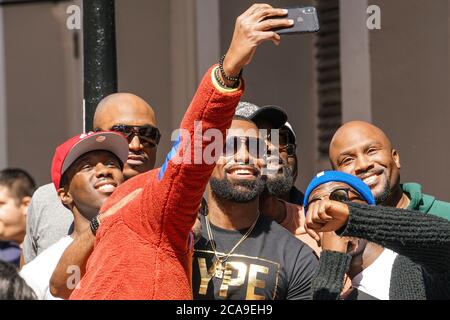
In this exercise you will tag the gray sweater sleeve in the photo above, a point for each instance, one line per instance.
(29, 243)
(423, 238)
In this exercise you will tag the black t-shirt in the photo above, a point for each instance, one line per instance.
(270, 264)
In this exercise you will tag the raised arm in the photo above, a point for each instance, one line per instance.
(170, 203)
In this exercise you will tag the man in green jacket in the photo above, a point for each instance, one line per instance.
(424, 202)
(364, 150)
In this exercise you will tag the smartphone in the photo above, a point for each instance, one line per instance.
(305, 19)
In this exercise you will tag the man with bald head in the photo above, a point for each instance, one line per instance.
(132, 116)
(48, 220)
(364, 150)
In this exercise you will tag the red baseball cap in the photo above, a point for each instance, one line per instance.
(72, 149)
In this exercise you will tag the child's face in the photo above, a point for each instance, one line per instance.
(12, 211)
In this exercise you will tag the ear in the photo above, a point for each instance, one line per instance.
(65, 197)
(24, 204)
(396, 157)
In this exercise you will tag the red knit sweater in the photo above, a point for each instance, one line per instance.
(143, 252)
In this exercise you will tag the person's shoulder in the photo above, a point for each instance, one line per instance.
(275, 229)
(47, 257)
(442, 204)
(441, 209)
(281, 234)
(55, 249)
(38, 272)
(297, 255)
(46, 189)
(430, 204)
(425, 203)
(45, 193)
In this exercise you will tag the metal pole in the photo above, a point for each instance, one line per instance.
(3, 109)
(100, 59)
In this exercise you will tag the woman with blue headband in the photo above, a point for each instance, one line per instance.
(392, 253)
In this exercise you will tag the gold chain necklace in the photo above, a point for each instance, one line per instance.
(218, 267)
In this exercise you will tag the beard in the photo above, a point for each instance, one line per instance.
(240, 191)
(385, 194)
(281, 183)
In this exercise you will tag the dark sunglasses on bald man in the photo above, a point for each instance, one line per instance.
(147, 134)
(256, 147)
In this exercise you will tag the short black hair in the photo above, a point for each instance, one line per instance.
(12, 286)
(19, 182)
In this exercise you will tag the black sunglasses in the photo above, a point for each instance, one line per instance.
(147, 134)
(256, 147)
(341, 195)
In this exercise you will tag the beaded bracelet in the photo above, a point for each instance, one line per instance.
(224, 75)
(222, 83)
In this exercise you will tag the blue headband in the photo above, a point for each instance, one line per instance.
(337, 176)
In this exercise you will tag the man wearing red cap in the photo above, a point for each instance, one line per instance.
(143, 251)
(86, 170)
(47, 219)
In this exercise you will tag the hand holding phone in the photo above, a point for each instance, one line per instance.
(305, 21)
(250, 31)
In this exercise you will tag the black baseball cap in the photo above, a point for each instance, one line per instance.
(270, 113)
